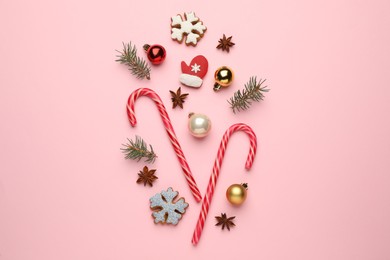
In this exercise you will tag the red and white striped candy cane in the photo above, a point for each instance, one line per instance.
(216, 170)
(168, 127)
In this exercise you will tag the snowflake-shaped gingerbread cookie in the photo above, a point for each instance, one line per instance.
(166, 209)
(191, 26)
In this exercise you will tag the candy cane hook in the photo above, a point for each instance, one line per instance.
(216, 170)
(171, 133)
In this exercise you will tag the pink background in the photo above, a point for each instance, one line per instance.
(319, 187)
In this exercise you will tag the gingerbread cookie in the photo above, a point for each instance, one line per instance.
(193, 74)
(166, 210)
(191, 27)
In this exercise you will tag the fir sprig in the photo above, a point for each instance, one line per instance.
(138, 149)
(137, 65)
(253, 91)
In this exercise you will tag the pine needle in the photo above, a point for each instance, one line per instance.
(138, 150)
(137, 65)
(253, 91)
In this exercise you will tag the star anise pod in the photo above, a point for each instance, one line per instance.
(178, 98)
(225, 43)
(147, 176)
(225, 221)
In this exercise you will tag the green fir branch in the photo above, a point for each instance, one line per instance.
(253, 91)
(138, 150)
(137, 65)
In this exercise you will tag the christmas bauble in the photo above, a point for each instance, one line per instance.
(156, 53)
(199, 125)
(223, 78)
(236, 193)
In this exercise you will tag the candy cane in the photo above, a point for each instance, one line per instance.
(216, 170)
(168, 127)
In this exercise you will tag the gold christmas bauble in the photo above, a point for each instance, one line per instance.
(223, 77)
(236, 193)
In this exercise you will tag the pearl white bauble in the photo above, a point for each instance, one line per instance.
(199, 125)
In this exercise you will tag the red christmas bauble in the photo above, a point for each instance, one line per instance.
(156, 53)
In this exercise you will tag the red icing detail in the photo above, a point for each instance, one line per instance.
(199, 60)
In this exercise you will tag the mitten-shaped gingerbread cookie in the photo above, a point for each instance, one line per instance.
(193, 74)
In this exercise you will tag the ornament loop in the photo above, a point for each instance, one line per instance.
(146, 47)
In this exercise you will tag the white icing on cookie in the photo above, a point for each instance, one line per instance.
(191, 27)
(190, 80)
(195, 68)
